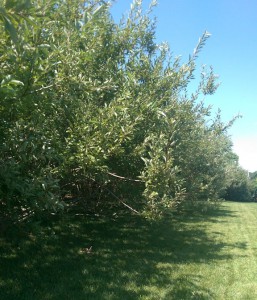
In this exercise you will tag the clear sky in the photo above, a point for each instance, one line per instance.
(231, 50)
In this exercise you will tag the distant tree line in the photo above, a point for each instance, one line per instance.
(99, 112)
(242, 186)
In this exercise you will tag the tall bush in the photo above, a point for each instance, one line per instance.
(99, 110)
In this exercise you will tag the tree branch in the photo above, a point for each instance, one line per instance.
(124, 178)
(122, 202)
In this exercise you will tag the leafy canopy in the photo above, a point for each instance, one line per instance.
(98, 110)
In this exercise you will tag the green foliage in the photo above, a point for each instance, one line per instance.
(239, 186)
(97, 109)
(253, 185)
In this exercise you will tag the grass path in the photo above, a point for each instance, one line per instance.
(237, 273)
(189, 257)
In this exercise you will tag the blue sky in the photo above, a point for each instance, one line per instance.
(231, 50)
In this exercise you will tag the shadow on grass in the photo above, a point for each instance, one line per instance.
(130, 259)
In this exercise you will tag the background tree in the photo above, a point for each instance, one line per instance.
(238, 183)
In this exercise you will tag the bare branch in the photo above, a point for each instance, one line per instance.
(124, 178)
(122, 202)
(42, 88)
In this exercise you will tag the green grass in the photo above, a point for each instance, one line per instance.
(188, 257)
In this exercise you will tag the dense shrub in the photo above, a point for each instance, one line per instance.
(99, 110)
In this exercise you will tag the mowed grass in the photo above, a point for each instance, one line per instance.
(187, 257)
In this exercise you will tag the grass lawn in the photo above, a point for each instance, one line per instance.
(188, 257)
